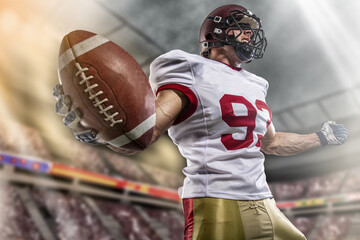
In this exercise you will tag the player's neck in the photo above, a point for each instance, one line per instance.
(226, 56)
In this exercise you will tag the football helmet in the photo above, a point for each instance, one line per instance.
(221, 27)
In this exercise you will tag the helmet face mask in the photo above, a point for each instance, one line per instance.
(225, 25)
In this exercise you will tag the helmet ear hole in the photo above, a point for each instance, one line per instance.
(209, 36)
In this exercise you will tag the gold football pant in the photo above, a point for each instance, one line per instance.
(224, 219)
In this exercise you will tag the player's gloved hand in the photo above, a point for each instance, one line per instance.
(72, 118)
(332, 133)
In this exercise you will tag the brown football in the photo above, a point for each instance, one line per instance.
(109, 88)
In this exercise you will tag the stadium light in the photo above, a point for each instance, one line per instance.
(337, 35)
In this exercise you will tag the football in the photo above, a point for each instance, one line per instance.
(108, 89)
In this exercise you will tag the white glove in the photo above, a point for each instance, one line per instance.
(72, 118)
(332, 133)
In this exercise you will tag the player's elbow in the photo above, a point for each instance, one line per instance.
(271, 148)
(278, 150)
(268, 149)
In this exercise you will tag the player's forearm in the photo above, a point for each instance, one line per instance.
(169, 104)
(285, 144)
(164, 120)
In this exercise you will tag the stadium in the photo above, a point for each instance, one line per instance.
(56, 188)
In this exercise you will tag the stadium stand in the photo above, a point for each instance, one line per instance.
(288, 190)
(325, 185)
(332, 227)
(347, 181)
(20, 139)
(133, 225)
(352, 181)
(73, 218)
(127, 168)
(76, 215)
(168, 219)
(85, 157)
(15, 221)
(304, 223)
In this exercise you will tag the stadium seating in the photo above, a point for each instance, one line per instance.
(333, 227)
(15, 221)
(20, 139)
(73, 219)
(325, 185)
(352, 181)
(132, 224)
(127, 168)
(304, 223)
(288, 190)
(69, 216)
(167, 219)
(347, 181)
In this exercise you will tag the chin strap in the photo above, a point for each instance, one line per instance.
(238, 50)
(213, 44)
(209, 45)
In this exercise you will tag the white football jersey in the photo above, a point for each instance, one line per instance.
(219, 133)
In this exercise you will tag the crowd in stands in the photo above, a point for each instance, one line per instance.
(167, 219)
(329, 227)
(347, 181)
(28, 141)
(127, 168)
(288, 190)
(333, 228)
(23, 140)
(351, 182)
(15, 221)
(69, 217)
(325, 185)
(304, 223)
(17, 138)
(85, 157)
(133, 225)
(73, 219)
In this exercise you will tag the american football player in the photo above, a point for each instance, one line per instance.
(216, 113)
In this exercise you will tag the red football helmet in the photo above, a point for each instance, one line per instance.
(218, 28)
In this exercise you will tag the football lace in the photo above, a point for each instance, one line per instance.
(93, 95)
